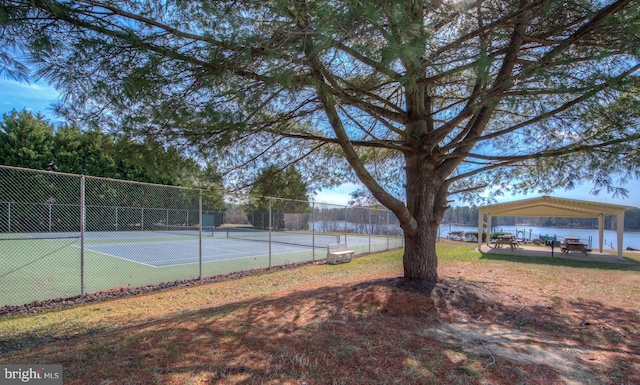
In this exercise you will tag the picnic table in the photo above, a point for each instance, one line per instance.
(506, 240)
(573, 244)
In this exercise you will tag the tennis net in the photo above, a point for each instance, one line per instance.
(181, 230)
(286, 237)
(32, 236)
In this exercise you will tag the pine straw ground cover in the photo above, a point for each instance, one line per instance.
(490, 320)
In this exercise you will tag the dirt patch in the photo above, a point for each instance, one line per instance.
(448, 300)
(568, 337)
(507, 343)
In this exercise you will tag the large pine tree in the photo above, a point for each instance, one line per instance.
(417, 100)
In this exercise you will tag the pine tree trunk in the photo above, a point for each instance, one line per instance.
(420, 260)
(427, 202)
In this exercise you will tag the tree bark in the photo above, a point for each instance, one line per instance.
(420, 261)
(427, 203)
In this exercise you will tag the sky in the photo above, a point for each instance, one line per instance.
(35, 97)
(39, 96)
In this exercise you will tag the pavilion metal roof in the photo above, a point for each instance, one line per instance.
(546, 206)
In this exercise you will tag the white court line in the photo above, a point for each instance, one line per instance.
(231, 258)
(222, 251)
(161, 262)
(115, 256)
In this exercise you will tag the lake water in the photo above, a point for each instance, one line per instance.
(589, 236)
(630, 238)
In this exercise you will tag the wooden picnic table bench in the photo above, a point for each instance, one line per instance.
(575, 246)
(506, 240)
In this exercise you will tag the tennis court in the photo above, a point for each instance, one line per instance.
(160, 249)
(171, 248)
(137, 234)
(39, 266)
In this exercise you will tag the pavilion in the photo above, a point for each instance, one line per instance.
(546, 206)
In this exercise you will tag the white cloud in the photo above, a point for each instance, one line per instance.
(339, 195)
(35, 97)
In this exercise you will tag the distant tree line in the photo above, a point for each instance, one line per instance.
(291, 212)
(28, 140)
(468, 216)
(39, 202)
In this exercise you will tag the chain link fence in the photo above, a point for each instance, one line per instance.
(65, 235)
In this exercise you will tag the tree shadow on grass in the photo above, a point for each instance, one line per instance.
(368, 333)
(560, 261)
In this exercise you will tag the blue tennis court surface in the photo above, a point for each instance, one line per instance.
(179, 252)
(158, 250)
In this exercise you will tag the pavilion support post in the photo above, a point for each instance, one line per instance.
(480, 229)
(489, 217)
(620, 228)
(601, 231)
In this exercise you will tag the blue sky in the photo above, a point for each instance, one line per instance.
(39, 96)
(35, 97)
(340, 195)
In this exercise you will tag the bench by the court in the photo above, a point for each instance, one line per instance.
(338, 253)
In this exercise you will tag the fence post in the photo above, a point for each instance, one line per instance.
(199, 232)
(270, 225)
(49, 217)
(142, 219)
(345, 224)
(313, 231)
(387, 230)
(82, 227)
(370, 230)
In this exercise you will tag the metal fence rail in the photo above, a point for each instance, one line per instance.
(64, 235)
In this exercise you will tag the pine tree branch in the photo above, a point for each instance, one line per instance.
(409, 224)
(502, 161)
(291, 163)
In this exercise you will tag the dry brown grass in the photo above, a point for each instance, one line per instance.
(355, 323)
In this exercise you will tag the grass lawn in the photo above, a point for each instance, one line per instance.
(490, 320)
